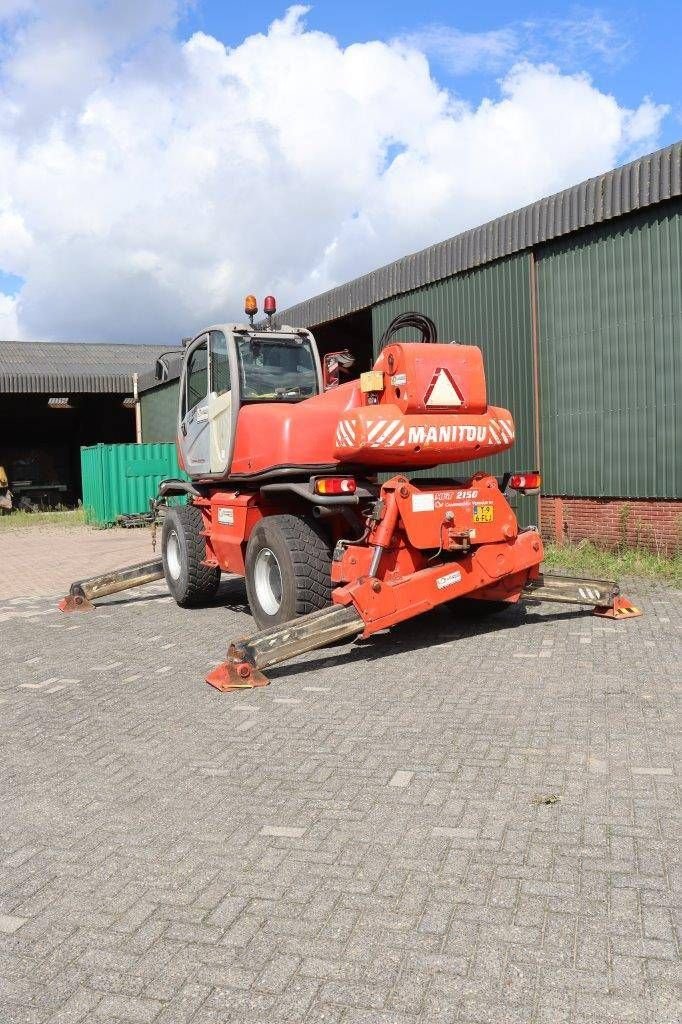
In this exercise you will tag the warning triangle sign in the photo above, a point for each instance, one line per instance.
(442, 391)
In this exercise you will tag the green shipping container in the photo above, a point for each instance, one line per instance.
(119, 479)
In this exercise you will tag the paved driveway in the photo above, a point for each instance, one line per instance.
(461, 821)
(42, 561)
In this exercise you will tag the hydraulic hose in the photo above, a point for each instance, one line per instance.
(410, 321)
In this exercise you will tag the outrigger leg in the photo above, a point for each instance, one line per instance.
(84, 592)
(246, 660)
(603, 596)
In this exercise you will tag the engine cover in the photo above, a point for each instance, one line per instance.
(431, 408)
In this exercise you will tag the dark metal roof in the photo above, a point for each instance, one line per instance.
(173, 363)
(39, 367)
(644, 182)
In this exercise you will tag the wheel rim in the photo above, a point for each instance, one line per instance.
(173, 559)
(267, 581)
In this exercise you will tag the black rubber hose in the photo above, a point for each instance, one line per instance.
(415, 321)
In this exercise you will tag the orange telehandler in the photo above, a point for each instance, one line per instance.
(284, 491)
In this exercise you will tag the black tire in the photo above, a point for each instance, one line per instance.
(303, 556)
(190, 581)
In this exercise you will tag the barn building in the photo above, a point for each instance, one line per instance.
(56, 397)
(576, 301)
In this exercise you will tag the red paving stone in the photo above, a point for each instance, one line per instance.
(44, 561)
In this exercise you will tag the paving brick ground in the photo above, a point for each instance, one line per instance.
(36, 562)
(466, 820)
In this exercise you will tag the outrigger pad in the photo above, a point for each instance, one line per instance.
(622, 608)
(231, 675)
(75, 603)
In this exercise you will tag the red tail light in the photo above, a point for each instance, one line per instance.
(525, 481)
(335, 485)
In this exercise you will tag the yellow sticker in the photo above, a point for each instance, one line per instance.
(484, 512)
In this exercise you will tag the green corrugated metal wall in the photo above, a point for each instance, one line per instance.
(489, 307)
(119, 479)
(159, 409)
(610, 345)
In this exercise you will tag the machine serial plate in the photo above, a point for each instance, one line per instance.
(484, 512)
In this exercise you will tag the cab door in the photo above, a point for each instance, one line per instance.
(223, 402)
(194, 421)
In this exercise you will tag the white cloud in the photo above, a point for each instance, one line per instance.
(463, 52)
(568, 42)
(9, 327)
(642, 124)
(168, 178)
(587, 33)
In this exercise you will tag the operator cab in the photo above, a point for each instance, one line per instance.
(231, 365)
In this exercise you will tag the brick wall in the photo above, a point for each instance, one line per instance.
(656, 525)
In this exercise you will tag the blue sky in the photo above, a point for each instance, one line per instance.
(161, 158)
(10, 283)
(644, 58)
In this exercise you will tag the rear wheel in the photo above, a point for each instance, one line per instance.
(288, 569)
(183, 549)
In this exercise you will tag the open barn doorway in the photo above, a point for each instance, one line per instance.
(353, 332)
(41, 438)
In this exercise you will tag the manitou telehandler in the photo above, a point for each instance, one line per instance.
(284, 491)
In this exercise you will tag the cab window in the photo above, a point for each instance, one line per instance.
(196, 388)
(220, 364)
(276, 368)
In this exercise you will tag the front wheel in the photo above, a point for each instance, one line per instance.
(288, 569)
(183, 549)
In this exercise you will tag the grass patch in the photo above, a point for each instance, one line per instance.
(586, 559)
(20, 520)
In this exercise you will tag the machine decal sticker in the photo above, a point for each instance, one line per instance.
(449, 580)
(484, 512)
(386, 434)
(345, 434)
(442, 391)
(423, 502)
(501, 432)
(446, 434)
(226, 516)
(398, 379)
